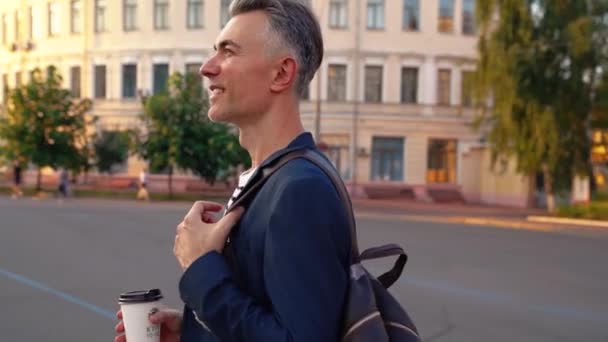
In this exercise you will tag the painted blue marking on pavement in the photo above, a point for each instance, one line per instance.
(562, 311)
(67, 297)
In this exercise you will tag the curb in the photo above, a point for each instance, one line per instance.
(471, 221)
(578, 222)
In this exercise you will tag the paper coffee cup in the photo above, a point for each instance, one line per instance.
(137, 307)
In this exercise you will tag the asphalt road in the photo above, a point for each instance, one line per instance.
(62, 267)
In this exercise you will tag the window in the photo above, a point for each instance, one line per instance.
(467, 88)
(31, 23)
(468, 17)
(193, 68)
(336, 88)
(51, 71)
(129, 15)
(443, 87)
(224, 12)
(338, 14)
(100, 82)
(161, 14)
(75, 81)
(411, 15)
(17, 26)
(4, 29)
(100, 15)
(129, 80)
(441, 165)
(373, 84)
(54, 19)
(194, 14)
(17, 79)
(446, 16)
(76, 19)
(36, 31)
(375, 14)
(387, 159)
(409, 85)
(338, 155)
(5, 89)
(161, 75)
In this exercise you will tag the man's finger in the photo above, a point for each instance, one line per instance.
(207, 218)
(232, 218)
(120, 327)
(171, 319)
(121, 338)
(119, 314)
(200, 207)
(161, 317)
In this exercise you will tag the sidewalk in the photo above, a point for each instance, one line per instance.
(445, 210)
(469, 214)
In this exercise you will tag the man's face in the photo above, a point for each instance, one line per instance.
(240, 71)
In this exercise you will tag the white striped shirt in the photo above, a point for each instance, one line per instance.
(243, 180)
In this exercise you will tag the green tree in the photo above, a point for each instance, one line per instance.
(541, 62)
(178, 133)
(45, 125)
(111, 148)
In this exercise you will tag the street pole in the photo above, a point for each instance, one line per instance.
(355, 116)
(317, 116)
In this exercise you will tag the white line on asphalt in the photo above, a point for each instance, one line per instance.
(62, 295)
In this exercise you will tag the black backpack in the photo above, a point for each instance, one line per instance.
(372, 314)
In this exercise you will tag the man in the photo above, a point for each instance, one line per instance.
(142, 191)
(17, 171)
(64, 183)
(283, 276)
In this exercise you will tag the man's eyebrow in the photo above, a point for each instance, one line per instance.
(225, 43)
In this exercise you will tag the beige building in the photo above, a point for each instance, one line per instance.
(391, 93)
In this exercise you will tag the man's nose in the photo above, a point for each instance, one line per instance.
(210, 68)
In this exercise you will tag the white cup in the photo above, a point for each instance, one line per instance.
(137, 307)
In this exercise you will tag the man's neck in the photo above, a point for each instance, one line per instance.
(272, 133)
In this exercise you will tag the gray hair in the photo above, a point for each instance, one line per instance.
(298, 29)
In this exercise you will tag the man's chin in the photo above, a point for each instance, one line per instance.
(218, 117)
(215, 116)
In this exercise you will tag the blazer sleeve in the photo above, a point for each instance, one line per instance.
(305, 272)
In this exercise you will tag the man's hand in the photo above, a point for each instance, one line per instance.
(170, 325)
(200, 233)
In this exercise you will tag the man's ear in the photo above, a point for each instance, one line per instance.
(284, 74)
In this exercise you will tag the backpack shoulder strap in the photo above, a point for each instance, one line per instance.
(331, 172)
(328, 169)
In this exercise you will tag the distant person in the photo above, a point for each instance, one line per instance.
(64, 183)
(142, 192)
(17, 175)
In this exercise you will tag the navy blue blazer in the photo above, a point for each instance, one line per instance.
(284, 276)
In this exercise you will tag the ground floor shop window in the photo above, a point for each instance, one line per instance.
(441, 167)
(339, 156)
(387, 159)
(599, 158)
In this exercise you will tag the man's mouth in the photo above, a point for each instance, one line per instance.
(215, 90)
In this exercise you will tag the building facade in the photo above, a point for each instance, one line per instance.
(390, 103)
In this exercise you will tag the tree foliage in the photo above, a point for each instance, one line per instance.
(45, 125)
(111, 149)
(544, 64)
(178, 133)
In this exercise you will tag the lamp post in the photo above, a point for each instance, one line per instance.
(355, 116)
